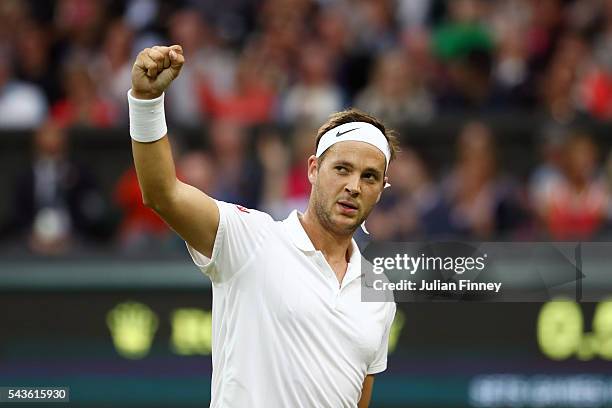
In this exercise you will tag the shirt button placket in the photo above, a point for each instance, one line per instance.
(332, 277)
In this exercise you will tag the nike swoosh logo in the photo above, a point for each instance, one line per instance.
(346, 131)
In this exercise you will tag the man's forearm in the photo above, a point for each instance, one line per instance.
(156, 172)
(366, 392)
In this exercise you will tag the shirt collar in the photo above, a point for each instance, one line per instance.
(296, 231)
(302, 241)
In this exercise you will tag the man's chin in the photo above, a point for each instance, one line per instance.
(347, 223)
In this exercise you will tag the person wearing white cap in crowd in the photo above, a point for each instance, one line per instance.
(290, 328)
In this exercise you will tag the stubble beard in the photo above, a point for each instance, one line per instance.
(324, 216)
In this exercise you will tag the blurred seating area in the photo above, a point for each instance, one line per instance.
(503, 107)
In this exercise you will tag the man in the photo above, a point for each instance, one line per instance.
(289, 326)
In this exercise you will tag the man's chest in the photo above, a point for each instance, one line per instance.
(301, 297)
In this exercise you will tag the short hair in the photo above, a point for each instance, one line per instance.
(355, 115)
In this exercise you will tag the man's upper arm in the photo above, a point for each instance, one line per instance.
(187, 210)
(366, 391)
(193, 215)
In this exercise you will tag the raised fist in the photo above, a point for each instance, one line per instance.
(154, 69)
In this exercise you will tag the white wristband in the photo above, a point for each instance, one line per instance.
(147, 118)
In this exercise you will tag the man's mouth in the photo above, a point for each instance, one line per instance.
(348, 206)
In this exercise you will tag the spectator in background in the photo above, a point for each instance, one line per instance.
(464, 44)
(33, 59)
(414, 14)
(414, 208)
(545, 24)
(141, 15)
(251, 101)
(57, 201)
(423, 65)
(483, 203)
(511, 74)
(140, 227)
(331, 28)
(608, 181)
(394, 93)
(211, 69)
(79, 25)
(197, 168)
(286, 184)
(314, 96)
(596, 85)
(549, 170)
(596, 90)
(575, 205)
(298, 187)
(283, 24)
(352, 66)
(273, 158)
(241, 178)
(14, 15)
(22, 105)
(82, 104)
(560, 96)
(281, 36)
(374, 24)
(113, 66)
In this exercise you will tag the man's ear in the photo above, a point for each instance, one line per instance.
(313, 169)
(385, 181)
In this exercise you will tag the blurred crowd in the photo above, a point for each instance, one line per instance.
(261, 76)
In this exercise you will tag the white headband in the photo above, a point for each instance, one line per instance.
(359, 132)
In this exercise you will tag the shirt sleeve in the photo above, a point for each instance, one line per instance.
(241, 232)
(379, 364)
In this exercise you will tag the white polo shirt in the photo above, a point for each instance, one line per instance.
(285, 333)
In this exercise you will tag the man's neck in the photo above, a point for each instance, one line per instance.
(333, 246)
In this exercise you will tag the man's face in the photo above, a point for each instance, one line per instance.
(346, 184)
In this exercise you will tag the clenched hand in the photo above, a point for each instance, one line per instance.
(155, 68)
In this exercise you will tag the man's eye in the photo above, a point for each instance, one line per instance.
(341, 169)
(369, 177)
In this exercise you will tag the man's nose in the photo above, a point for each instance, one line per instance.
(353, 186)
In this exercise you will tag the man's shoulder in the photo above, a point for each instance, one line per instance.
(240, 215)
(237, 209)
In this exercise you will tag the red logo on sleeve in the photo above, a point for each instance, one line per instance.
(241, 208)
